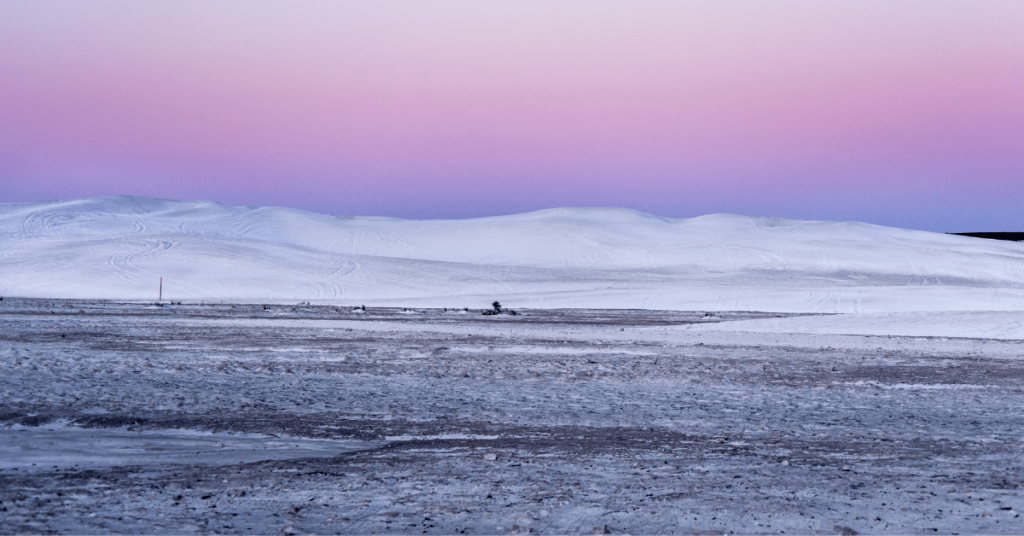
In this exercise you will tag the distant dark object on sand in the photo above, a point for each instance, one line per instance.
(1013, 237)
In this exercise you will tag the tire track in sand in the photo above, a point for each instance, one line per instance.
(328, 288)
(122, 265)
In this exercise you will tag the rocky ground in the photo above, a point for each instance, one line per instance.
(321, 419)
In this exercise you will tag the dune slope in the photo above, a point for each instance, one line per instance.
(119, 247)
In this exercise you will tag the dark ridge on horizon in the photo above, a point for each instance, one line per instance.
(1012, 237)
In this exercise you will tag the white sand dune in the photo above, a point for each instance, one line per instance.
(118, 247)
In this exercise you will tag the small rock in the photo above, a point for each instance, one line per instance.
(603, 529)
(846, 468)
(490, 456)
(845, 531)
(986, 514)
(785, 463)
(290, 529)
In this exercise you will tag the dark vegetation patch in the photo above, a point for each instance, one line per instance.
(307, 311)
(1014, 237)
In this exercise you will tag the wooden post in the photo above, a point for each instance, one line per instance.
(161, 296)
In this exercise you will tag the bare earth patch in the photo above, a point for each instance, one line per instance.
(320, 419)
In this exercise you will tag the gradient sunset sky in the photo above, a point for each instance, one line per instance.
(904, 113)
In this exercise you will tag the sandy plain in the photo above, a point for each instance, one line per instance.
(249, 418)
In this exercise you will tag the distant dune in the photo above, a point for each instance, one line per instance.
(119, 247)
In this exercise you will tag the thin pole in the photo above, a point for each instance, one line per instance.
(161, 298)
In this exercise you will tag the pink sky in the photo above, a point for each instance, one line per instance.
(901, 113)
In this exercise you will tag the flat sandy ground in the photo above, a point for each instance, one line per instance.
(130, 418)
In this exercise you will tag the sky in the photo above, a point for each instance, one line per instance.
(904, 113)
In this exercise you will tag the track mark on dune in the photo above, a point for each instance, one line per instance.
(817, 301)
(123, 265)
(755, 257)
(54, 224)
(328, 287)
(33, 225)
(825, 260)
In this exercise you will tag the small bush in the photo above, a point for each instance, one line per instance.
(497, 310)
